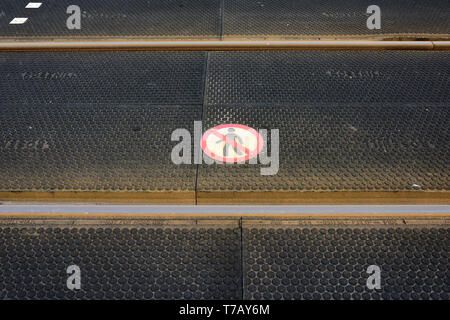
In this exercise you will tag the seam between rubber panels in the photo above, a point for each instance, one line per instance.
(242, 258)
(205, 84)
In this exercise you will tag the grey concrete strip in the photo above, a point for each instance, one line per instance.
(218, 210)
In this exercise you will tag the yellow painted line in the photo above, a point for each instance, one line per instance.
(214, 45)
(324, 198)
(235, 198)
(184, 197)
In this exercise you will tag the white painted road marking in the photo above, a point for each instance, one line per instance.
(18, 21)
(30, 5)
(33, 5)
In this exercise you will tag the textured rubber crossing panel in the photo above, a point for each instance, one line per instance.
(328, 76)
(155, 19)
(102, 77)
(329, 19)
(338, 147)
(95, 147)
(206, 259)
(140, 261)
(347, 121)
(331, 262)
(211, 19)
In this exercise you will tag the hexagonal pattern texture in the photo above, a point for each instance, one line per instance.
(338, 147)
(328, 76)
(348, 120)
(184, 259)
(157, 19)
(102, 77)
(333, 19)
(136, 262)
(213, 19)
(96, 147)
(331, 263)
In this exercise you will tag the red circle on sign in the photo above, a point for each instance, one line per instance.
(248, 154)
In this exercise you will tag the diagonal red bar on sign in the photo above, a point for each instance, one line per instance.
(233, 143)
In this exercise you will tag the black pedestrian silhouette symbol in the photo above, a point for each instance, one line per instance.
(233, 137)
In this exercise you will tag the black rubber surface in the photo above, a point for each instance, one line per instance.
(97, 121)
(172, 260)
(157, 19)
(214, 19)
(331, 263)
(93, 147)
(328, 76)
(134, 262)
(339, 147)
(347, 121)
(330, 19)
(102, 77)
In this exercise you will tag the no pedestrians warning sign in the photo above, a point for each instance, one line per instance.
(232, 143)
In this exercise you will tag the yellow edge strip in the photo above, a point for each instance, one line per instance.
(324, 198)
(182, 197)
(227, 198)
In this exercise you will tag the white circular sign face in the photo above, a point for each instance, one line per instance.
(232, 143)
